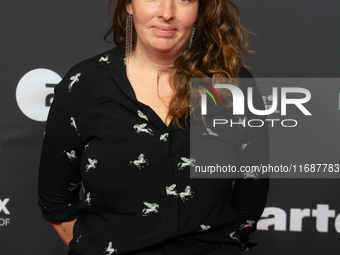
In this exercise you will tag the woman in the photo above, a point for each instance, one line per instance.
(118, 130)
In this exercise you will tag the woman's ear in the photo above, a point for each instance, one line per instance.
(129, 8)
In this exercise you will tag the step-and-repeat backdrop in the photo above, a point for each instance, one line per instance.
(41, 40)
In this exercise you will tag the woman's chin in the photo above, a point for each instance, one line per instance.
(166, 48)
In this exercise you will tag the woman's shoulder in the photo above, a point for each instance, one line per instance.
(103, 60)
(247, 81)
(245, 73)
(91, 71)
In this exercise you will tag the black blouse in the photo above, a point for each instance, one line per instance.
(135, 194)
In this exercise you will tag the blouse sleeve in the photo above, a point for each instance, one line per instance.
(59, 174)
(250, 192)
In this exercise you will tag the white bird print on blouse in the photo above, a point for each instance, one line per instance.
(71, 155)
(109, 249)
(234, 237)
(74, 79)
(88, 198)
(139, 161)
(163, 137)
(91, 165)
(210, 132)
(242, 120)
(187, 193)
(73, 123)
(248, 225)
(170, 190)
(142, 115)
(105, 59)
(204, 228)
(141, 128)
(243, 147)
(186, 162)
(151, 208)
(251, 175)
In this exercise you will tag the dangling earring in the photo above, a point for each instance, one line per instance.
(191, 38)
(128, 36)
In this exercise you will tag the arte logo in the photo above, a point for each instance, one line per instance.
(239, 102)
(4, 210)
(34, 93)
(277, 217)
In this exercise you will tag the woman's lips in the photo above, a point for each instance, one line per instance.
(164, 30)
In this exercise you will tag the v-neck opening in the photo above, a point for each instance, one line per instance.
(118, 73)
(133, 93)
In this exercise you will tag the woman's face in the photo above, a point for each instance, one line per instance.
(163, 26)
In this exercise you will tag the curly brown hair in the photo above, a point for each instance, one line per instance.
(219, 44)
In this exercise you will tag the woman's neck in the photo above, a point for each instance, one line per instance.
(146, 60)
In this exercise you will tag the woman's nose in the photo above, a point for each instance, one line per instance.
(166, 10)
